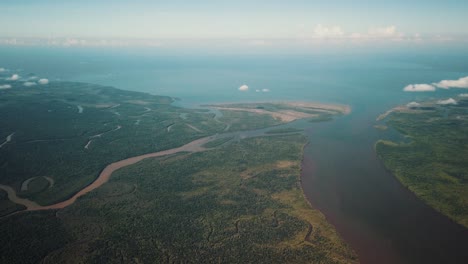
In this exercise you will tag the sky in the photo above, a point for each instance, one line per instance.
(253, 23)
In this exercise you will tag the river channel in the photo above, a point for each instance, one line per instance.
(378, 217)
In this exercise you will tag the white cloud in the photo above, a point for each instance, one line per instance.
(14, 77)
(258, 90)
(321, 31)
(446, 84)
(413, 104)
(28, 84)
(385, 32)
(2, 69)
(265, 90)
(449, 101)
(382, 33)
(244, 88)
(43, 81)
(463, 95)
(419, 88)
(5, 86)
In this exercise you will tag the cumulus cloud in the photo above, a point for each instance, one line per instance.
(385, 32)
(382, 33)
(419, 88)
(321, 31)
(2, 70)
(413, 104)
(14, 77)
(446, 84)
(449, 101)
(5, 86)
(463, 95)
(43, 81)
(244, 88)
(28, 84)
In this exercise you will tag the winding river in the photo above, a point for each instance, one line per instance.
(104, 176)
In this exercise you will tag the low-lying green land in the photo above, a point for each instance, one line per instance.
(434, 164)
(70, 131)
(240, 201)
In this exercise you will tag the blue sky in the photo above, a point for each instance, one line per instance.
(261, 22)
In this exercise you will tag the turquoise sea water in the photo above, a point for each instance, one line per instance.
(342, 176)
(361, 80)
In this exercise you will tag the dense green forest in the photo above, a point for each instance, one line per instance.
(69, 132)
(239, 201)
(433, 159)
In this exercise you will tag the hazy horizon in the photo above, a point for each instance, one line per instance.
(224, 26)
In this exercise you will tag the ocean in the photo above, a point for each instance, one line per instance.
(361, 80)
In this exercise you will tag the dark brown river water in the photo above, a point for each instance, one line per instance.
(379, 218)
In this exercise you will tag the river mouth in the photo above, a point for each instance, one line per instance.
(344, 179)
(380, 219)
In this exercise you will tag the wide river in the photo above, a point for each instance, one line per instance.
(381, 220)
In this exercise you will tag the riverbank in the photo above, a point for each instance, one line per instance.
(433, 165)
(380, 219)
